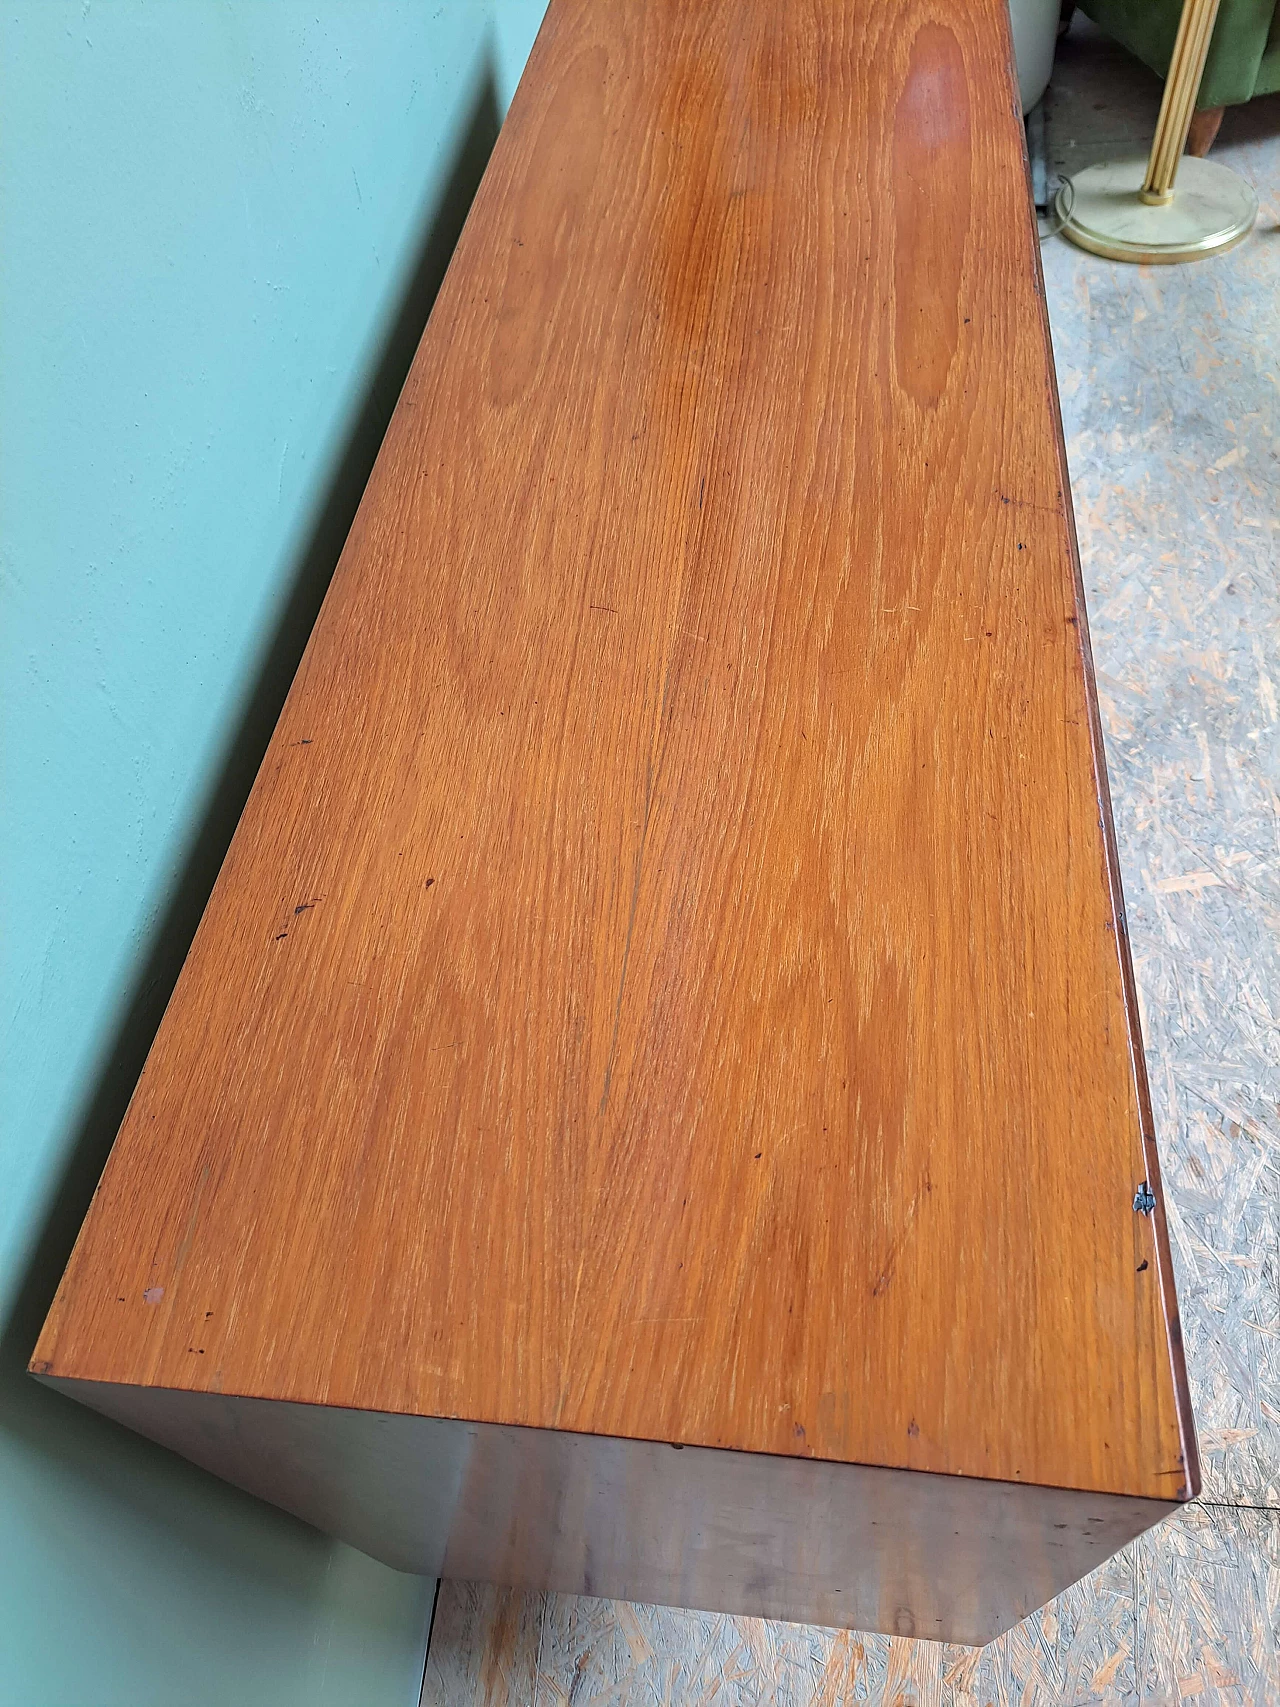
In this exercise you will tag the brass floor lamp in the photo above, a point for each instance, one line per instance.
(1129, 210)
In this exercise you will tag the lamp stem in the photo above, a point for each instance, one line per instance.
(1182, 85)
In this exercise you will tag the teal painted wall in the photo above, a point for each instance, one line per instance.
(223, 222)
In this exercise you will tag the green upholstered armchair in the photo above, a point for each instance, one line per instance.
(1244, 55)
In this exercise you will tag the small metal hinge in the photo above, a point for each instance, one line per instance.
(1144, 1199)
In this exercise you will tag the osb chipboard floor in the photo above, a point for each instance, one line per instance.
(1170, 382)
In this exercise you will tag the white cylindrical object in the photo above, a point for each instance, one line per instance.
(1035, 35)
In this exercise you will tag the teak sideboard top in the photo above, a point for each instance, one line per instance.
(670, 981)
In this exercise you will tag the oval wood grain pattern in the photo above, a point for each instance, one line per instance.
(668, 981)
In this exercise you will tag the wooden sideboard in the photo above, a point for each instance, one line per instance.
(655, 1105)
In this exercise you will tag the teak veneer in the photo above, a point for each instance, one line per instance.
(669, 986)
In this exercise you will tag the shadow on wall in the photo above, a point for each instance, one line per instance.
(23, 1402)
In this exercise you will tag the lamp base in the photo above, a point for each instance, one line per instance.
(1212, 209)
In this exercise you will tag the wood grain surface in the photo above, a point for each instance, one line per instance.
(669, 980)
(945, 1558)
